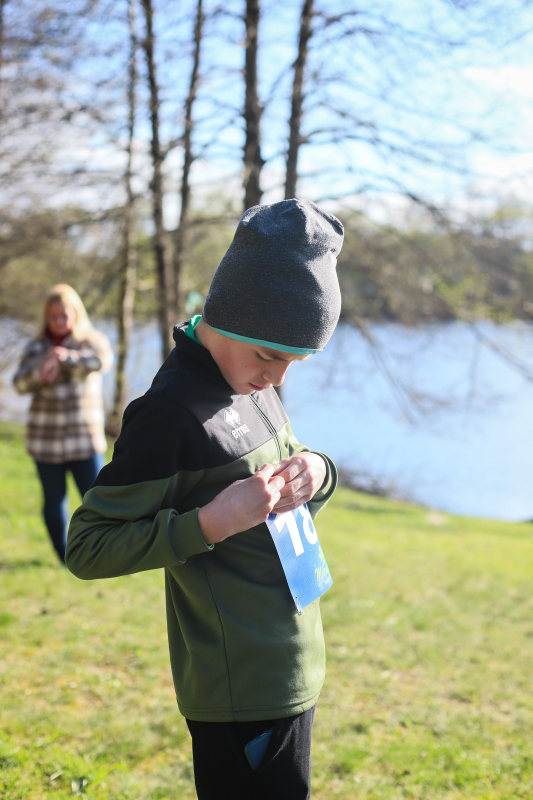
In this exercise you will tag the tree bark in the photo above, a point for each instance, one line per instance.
(295, 122)
(182, 232)
(2, 5)
(253, 162)
(159, 240)
(128, 266)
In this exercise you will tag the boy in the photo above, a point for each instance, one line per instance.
(201, 461)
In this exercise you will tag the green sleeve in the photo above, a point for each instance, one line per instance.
(119, 530)
(330, 482)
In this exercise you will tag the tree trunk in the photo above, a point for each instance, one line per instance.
(295, 122)
(253, 163)
(128, 266)
(157, 184)
(2, 5)
(182, 233)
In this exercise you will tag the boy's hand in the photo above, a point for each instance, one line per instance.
(304, 474)
(241, 506)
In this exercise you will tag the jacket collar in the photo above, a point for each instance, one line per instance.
(67, 341)
(195, 351)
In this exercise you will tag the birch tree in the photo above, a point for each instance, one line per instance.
(182, 231)
(129, 255)
(156, 186)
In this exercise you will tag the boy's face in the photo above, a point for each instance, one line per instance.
(249, 367)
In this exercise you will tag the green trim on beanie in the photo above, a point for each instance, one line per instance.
(302, 351)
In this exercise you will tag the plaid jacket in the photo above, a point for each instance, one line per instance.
(66, 417)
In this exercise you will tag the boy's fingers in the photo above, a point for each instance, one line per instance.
(293, 500)
(281, 466)
(289, 468)
(292, 470)
(275, 500)
(266, 471)
(289, 504)
(296, 483)
(276, 484)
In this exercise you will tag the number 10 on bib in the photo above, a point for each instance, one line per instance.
(301, 555)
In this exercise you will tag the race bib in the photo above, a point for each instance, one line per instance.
(301, 555)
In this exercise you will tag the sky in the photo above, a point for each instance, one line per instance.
(422, 97)
(455, 122)
(452, 120)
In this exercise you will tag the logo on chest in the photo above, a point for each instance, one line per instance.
(233, 418)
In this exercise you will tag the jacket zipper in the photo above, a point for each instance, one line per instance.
(268, 424)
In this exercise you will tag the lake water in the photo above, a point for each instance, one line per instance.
(471, 452)
(468, 449)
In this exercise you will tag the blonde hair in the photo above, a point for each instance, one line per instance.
(63, 293)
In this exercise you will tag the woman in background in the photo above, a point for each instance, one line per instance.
(62, 368)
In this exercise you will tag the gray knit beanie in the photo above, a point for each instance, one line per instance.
(277, 284)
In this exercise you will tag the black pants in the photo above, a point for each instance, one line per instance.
(222, 772)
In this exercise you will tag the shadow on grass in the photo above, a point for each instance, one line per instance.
(10, 566)
(9, 433)
(376, 509)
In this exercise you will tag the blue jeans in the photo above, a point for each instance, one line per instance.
(54, 481)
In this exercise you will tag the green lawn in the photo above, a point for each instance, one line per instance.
(429, 628)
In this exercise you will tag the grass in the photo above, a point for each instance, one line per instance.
(429, 629)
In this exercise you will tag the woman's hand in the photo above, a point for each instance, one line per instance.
(61, 353)
(304, 475)
(50, 370)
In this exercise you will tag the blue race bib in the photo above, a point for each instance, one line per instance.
(301, 555)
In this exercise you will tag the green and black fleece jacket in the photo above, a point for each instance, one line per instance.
(238, 648)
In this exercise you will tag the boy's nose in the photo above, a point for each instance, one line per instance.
(276, 375)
